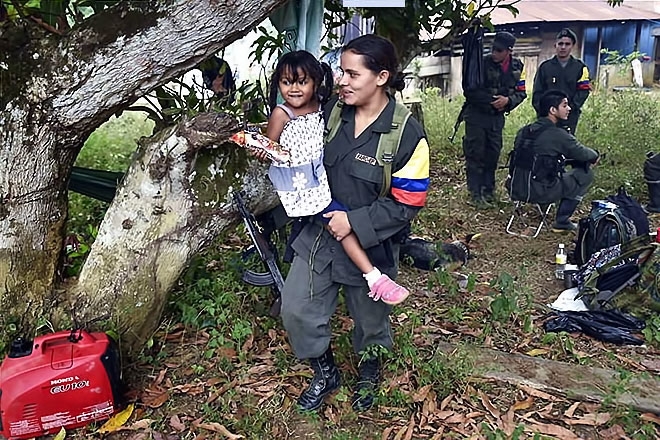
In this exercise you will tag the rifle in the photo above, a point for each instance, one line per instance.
(273, 277)
(460, 118)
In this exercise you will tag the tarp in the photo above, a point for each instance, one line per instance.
(97, 184)
(302, 23)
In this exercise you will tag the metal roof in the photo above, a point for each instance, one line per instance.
(576, 10)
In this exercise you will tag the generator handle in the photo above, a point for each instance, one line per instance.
(54, 338)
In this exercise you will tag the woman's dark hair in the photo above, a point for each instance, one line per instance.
(318, 72)
(378, 54)
(551, 98)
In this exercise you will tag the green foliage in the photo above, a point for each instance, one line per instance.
(403, 26)
(562, 341)
(623, 126)
(267, 45)
(509, 302)
(77, 247)
(215, 300)
(447, 372)
(619, 386)
(58, 15)
(652, 330)
(498, 434)
(614, 57)
(169, 103)
(109, 148)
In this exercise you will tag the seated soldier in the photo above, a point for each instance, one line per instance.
(536, 164)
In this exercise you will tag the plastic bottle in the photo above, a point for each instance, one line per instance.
(560, 262)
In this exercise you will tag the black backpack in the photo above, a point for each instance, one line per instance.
(616, 220)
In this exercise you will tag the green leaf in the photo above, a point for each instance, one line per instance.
(172, 111)
(33, 4)
(12, 14)
(60, 435)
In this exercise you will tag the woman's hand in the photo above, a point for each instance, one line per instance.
(338, 225)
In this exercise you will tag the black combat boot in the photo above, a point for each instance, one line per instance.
(367, 385)
(488, 186)
(473, 177)
(563, 221)
(326, 380)
(654, 197)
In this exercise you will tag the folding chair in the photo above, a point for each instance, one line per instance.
(523, 215)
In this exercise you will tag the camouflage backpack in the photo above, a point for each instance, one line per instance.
(624, 277)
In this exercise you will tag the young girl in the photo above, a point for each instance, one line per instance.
(302, 184)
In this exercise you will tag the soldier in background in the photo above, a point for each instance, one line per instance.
(537, 171)
(218, 77)
(502, 90)
(566, 73)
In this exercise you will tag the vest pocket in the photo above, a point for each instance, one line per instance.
(370, 175)
(367, 171)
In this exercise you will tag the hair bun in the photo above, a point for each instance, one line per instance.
(399, 82)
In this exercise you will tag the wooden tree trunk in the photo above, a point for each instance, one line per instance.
(54, 92)
(33, 211)
(173, 201)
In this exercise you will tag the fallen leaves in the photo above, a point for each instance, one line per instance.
(176, 424)
(594, 419)
(117, 421)
(468, 414)
(553, 430)
(472, 411)
(649, 417)
(537, 352)
(217, 427)
(154, 398)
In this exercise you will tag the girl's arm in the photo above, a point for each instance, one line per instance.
(276, 122)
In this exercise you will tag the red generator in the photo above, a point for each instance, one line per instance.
(69, 379)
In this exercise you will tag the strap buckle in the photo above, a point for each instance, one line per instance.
(387, 157)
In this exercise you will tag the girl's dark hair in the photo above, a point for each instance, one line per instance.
(551, 98)
(318, 72)
(378, 54)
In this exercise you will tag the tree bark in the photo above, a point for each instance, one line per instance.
(173, 201)
(54, 92)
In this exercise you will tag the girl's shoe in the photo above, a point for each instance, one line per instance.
(388, 291)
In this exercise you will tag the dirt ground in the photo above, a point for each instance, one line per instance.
(190, 396)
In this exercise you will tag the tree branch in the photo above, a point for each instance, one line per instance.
(110, 66)
(45, 25)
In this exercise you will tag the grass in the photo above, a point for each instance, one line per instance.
(216, 332)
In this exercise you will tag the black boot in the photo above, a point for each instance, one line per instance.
(563, 221)
(654, 197)
(326, 380)
(473, 177)
(488, 186)
(367, 385)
